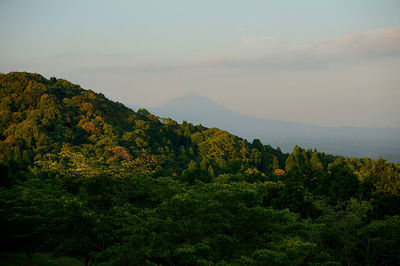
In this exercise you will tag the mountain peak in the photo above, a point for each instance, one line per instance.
(191, 101)
(193, 96)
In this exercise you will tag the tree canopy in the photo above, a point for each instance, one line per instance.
(87, 177)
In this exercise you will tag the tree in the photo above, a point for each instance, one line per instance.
(315, 161)
(381, 241)
(203, 165)
(341, 226)
(192, 166)
(290, 163)
(275, 163)
(342, 182)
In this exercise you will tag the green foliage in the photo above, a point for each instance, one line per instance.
(290, 163)
(86, 177)
(381, 240)
(275, 163)
(316, 162)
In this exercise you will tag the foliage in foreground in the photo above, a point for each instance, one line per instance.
(89, 178)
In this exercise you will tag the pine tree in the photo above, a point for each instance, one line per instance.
(315, 161)
(275, 163)
(290, 163)
(297, 154)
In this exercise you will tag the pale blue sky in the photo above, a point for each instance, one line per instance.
(327, 62)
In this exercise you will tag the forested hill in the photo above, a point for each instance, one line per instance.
(54, 123)
(86, 177)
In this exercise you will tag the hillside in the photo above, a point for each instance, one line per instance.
(85, 177)
(345, 141)
(45, 121)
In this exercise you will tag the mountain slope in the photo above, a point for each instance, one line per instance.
(59, 126)
(347, 140)
(86, 177)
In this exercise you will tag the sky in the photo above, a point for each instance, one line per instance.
(327, 62)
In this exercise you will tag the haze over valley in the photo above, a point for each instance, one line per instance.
(346, 141)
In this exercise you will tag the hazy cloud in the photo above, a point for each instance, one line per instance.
(352, 48)
(382, 43)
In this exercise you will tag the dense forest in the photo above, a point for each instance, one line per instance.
(89, 178)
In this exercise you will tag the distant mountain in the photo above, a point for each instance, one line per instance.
(346, 140)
